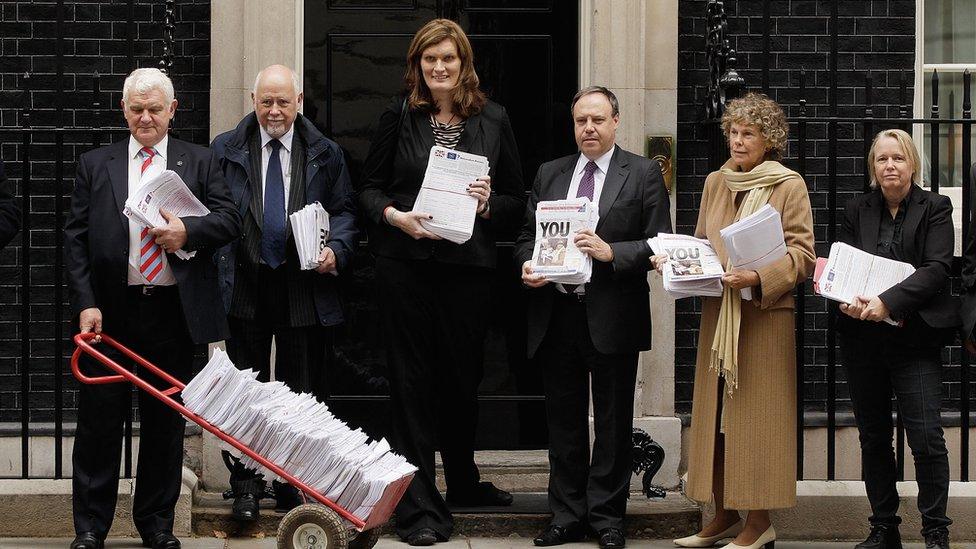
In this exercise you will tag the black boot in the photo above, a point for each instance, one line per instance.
(247, 488)
(882, 536)
(287, 497)
(938, 539)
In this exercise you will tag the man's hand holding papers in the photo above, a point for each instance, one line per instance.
(159, 203)
(172, 235)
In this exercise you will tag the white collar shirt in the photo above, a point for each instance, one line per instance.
(284, 155)
(136, 175)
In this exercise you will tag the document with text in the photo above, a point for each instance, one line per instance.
(444, 193)
(166, 191)
(555, 255)
(310, 227)
(755, 241)
(851, 272)
(693, 267)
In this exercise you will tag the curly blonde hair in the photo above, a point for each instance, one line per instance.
(756, 109)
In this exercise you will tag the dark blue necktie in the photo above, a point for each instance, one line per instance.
(273, 230)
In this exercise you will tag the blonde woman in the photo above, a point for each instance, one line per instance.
(900, 220)
(743, 428)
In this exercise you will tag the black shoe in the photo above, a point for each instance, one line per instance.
(558, 535)
(422, 537)
(483, 494)
(938, 539)
(287, 497)
(612, 538)
(882, 536)
(87, 540)
(247, 488)
(161, 540)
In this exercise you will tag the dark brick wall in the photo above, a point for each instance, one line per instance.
(95, 39)
(876, 36)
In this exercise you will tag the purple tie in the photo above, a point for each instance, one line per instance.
(587, 182)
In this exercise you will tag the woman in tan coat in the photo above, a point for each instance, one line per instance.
(743, 428)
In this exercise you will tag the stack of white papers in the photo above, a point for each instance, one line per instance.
(755, 241)
(165, 191)
(444, 193)
(693, 268)
(296, 433)
(555, 255)
(310, 226)
(851, 272)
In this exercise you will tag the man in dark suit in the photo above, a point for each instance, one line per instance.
(594, 331)
(9, 212)
(275, 163)
(124, 278)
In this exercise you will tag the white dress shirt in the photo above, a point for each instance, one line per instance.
(165, 276)
(284, 155)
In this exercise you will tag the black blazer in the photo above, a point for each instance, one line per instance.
(927, 243)
(97, 237)
(634, 206)
(968, 310)
(394, 171)
(9, 212)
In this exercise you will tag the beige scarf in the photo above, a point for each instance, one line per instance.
(760, 182)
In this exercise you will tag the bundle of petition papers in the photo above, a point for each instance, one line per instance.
(693, 268)
(310, 226)
(555, 255)
(755, 241)
(444, 193)
(296, 433)
(162, 191)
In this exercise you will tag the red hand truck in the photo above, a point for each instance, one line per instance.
(308, 526)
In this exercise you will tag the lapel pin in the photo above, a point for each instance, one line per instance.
(179, 162)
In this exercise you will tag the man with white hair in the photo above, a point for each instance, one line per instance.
(275, 163)
(124, 278)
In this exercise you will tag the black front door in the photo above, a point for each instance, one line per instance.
(526, 54)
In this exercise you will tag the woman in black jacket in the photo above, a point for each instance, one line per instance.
(433, 294)
(900, 220)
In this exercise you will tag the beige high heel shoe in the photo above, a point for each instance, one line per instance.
(766, 540)
(709, 541)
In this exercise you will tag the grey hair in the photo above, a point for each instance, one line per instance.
(294, 80)
(614, 105)
(145, 80)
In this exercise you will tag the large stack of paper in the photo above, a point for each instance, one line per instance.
(444, 193)
(555, 255)
(297, 433)
(693, 268)
(851, 272)
(755, 241)
(310, 226)
(165, 191)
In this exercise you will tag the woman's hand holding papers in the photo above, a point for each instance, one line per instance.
(532, 280)
(866, 308)
(592, 245)
(481, 189)
(409, 222)
(658, 262)
(172, 236)
(741, 278)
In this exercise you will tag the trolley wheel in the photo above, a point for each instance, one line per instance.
(312, 526)
(365, 539)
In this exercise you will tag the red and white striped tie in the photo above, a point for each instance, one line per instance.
(150, 254)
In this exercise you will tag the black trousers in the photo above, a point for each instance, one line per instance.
(584, 489)
(433, 318)
(154, 328)
(299, 351)
(876, 369)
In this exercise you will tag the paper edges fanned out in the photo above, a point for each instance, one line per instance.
(140, 203)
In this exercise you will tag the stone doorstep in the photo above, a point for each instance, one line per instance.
(673, 517)
(42, 508)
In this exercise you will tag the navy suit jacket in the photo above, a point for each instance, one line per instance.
(97, 237)
(326, 182)
(634, 206)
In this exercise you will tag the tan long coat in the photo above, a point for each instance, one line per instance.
(760, 416)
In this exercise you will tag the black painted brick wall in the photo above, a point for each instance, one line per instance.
(95, 38)
(876, 36)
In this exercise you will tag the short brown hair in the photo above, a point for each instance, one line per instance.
(756, 109)
(466, 97)
(614, 104)
(907, 146)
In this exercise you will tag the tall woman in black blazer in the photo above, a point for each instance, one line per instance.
(900, 220)
(433, 294)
